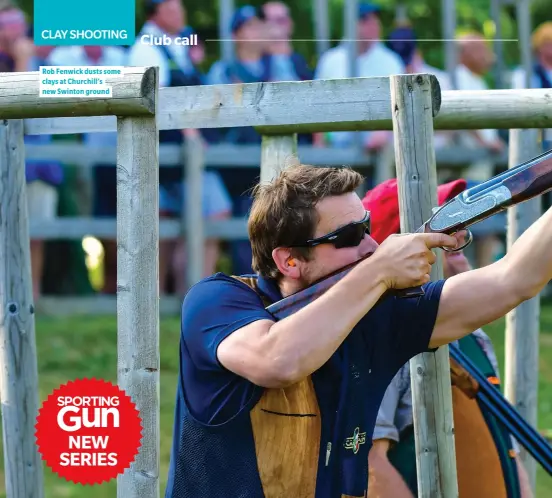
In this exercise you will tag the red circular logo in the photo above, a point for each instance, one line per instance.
(88, 431)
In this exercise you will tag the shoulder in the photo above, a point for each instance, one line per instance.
(217, 73)
(219, 283)
(331, 63)
(218, 297)
(332, 54)
(388, 55)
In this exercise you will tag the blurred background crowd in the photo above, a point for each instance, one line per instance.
(271, 41)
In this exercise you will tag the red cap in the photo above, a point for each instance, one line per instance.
(383, 203)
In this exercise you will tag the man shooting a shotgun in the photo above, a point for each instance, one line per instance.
(286, 408)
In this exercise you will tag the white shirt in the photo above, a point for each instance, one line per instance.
(518, 81)
(378, 60)
(466, 80)
(76, 56)
(141, 54)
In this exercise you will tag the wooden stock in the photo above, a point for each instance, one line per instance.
(291, 304)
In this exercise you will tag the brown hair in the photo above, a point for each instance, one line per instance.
(284, 210)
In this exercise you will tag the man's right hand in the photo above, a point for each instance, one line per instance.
(406, 259)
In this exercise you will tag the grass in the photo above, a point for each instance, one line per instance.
(87, 347)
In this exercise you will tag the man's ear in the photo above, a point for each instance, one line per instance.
(288, 265)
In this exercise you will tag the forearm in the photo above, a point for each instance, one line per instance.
(525, 486)
(304, 341)
(529, 260)
(385, 481)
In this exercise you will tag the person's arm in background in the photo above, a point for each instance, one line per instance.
(22, 52)
(384, 480)
(524, 485)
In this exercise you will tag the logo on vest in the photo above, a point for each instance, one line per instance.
(354, 442)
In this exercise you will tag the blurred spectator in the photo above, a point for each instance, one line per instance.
(374, 59)
(43, 177)
(16, 48)
(475, 60)
(402, 41)
(251, 64)
(541, 76)
(177, 68)
(104, 173)
(286, 63)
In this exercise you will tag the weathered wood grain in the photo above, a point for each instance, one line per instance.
(18, 364)
(192, 210)
(138, 293)
(277, 153)
(522, 323)
(132, 96)
(323, 105)
(430, 372)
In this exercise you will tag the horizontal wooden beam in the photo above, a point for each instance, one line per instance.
(76, 228)
(323, 105)
(248, 156)
(59, 306)
(132, 95)
(320, 105)
(498, 109)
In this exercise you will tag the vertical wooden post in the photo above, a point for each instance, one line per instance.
(522, 323)
(277, 152)
(192, 214)
(138, 293)
(414, 100)
(18, 366)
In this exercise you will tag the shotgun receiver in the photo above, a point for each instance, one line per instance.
(514, 186)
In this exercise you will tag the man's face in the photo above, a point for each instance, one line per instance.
(250, 31)
(335, 212)
(12, 25)
(369, 27)
(277, 16)
(479, 55)
(545, 52)
(171, 16)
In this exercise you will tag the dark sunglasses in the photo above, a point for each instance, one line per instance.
(350, 235)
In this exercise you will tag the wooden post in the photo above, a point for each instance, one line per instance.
(138, 293)
(192, 215)
(522, 323)
(277, 152)
(18, 366)
(413, 100)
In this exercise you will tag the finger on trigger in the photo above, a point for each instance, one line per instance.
(433, 240)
